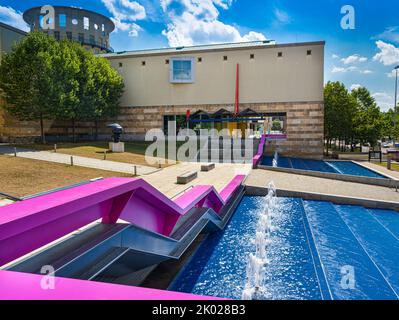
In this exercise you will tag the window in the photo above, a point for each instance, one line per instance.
(86, 23)
(167, 61)
(182, 70)
(280, 55)
(48, 22)
(199, 59)
(224, 58)
(309, 52)
(252, 56)
(92, 40)
(69, 35)
(81, 37)
(62, 20)
(75, 21)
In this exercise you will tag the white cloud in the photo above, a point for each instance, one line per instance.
(392, 74)
(125, 12)
(390, 34)
(13, 18)
(343, 70)
(366, 71)
(125, 9)
(197, 22)
(355, 58)
(356, 86)
(282, 17)
(132, 28)
(335, 56)
(388, 54)
(384, 100)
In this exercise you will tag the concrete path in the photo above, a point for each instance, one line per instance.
(165, 180)
(383, 170)
(77, 161)
(294, 182)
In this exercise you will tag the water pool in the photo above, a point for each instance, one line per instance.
(341, 167)
(313, 246)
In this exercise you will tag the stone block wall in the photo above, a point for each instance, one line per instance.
(305, 125)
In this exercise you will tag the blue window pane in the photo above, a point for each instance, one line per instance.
(62, 20)
(182, 70)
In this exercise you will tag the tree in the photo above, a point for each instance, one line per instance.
(368, 119)
(106, 92)
(339, 113)
(276, 126)
(93, 89)
(387, 130)
(27, 79)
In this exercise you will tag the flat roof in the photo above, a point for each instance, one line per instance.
(206, 48)
(7, 26)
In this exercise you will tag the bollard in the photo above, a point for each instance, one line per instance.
(72, 161)
(135, 170)
(55, 148)
(105, 155)
(159, 165)
(389, 162)
(15, 151)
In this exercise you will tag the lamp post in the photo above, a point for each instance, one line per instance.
(395, 107)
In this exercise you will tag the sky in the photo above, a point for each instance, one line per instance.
(362, 55)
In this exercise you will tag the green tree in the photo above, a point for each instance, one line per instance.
(106, 91)
(93, 89)
(340, 110)
(276, 126)
(27, 79)
(368, 119)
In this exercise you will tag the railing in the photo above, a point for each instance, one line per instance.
(87, 42)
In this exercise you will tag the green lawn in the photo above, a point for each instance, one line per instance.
(395, 166)
(134, 151)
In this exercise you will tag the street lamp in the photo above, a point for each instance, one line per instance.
(395, 107)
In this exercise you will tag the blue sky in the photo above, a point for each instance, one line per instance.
(364, 56)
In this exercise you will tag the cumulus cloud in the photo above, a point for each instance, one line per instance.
(388, 54)
(282, 17)
(335, 56)
(384, 100)
(196, 22)
(356, 86)
(389, 34)
(355, 58)
(13, 18)
(125, 13)
(343, 69)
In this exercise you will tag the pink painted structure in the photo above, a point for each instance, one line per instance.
(257, 158)
(33, 223)
(25, 286)
(259, 154)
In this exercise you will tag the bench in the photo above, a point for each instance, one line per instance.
(187, 177)
(207, 167)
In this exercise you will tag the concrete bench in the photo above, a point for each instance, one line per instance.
(187, 177)
(207, 167)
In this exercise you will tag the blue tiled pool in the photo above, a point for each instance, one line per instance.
(341, 167)
(313, 248)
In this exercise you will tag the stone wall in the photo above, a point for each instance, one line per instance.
(305, 125)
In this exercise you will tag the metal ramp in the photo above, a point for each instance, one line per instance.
(126, 253)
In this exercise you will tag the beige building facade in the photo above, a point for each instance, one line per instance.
(275, 82)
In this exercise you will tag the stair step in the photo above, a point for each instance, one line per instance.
(102, 263)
